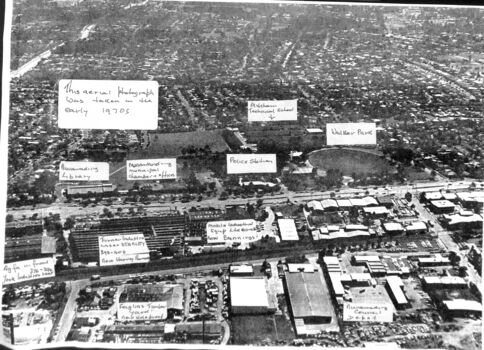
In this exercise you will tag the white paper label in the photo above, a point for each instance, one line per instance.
(142, 311)
(123, 249)
(151, 169)
(108, 104)
(233, 231)
(340, 134)
(266, 111)
(367, 312)
(251, 163)
(83, 171)
(26, 270)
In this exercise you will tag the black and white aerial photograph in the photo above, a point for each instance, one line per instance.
(225, 173)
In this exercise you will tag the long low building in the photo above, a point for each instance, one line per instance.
(462, 308)
(431, 282)
(395, 288)
(376, 212)
(434, 260)
(87, 190)
(309, 300)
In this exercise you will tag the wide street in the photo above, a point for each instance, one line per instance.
(70, 209)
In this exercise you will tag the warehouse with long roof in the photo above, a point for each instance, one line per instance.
(310, 304)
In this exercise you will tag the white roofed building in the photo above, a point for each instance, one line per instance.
(393, 228)
(463, 220)
(462, 308)
(329, 205)
(315, 206)
(416, 227)
(442, 206)
(395, 288)
(376, 212)
(249, 296)
(287, 230)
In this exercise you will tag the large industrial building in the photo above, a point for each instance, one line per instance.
(309, 300)
(248, 295)
(163, 235)
(24, 240)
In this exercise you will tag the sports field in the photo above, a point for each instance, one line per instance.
(349, 160)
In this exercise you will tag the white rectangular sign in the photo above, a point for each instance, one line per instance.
(151, 169)
(26, 270)
(142, 311)
(123, 249)
(267, 111)
(251, 163)
(367, 312)
(232, 231)
(83, 171)
(340, 134)
(108, 104)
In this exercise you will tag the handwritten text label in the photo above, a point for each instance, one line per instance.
(151, 169)
(123, 249)
(83, 171)
(26, 270)
(142, 311)
(108, 104)
(233, 231)
(267, 111)
(251, 163)
(367, 312)
(340, 134)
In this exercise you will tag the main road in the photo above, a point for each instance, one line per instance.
(70, 209)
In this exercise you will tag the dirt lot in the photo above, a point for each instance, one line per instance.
(260, 329)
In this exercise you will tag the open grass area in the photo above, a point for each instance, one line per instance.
(171, 144)
(260, 329)
(416, 175)
(349, 161)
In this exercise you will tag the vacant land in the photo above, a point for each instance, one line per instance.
(349, 161)
(260, 329)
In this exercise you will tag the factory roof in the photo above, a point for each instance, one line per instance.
(306, 296)
(248, 292)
